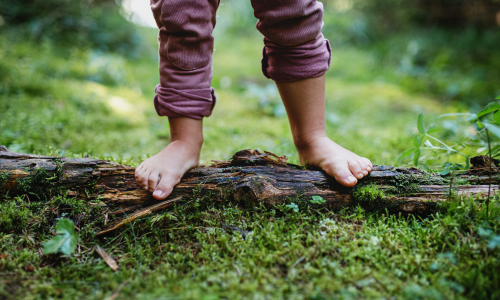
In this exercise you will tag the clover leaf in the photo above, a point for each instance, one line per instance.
(65, 241)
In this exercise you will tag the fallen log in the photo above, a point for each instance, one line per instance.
(248, 179)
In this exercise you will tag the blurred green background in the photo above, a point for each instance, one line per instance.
(77, 77)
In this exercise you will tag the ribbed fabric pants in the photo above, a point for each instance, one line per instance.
(294, 49)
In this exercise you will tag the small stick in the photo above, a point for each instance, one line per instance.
(451, 184)
(139, 214)
(489, 184)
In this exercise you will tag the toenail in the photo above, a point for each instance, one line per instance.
(351, 179)
(360, 175)
(158, 193)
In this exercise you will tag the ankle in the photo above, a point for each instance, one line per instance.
(186, 131)
(305, 142)
(191, 143)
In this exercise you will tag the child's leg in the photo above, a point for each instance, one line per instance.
(184, 94)
(296, 56)
(305, 105)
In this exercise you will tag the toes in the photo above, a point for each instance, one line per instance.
(142, 179)
(138, 170)
(356, 169)
(165, 186)
(153, 181)
(341, 173)
(366, 164)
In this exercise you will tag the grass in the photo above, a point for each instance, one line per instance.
(77, 102)
(186, 253)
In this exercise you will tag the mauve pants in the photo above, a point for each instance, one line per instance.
(294, 49)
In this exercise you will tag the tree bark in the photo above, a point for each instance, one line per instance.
(249, 178)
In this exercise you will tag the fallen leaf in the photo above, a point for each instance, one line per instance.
(109, 261)
(65, 240)
(3, 255)
(30, 268)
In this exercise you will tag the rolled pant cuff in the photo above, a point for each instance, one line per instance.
(194, 103)
(288, 64)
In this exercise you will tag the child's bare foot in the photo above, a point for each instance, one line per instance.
(160, 173)
(338, 162)
(305, 105)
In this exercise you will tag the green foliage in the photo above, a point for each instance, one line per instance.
(79, 23)
(420, 124)
(293, 207)
(490, 108)
(317, 200)
(450, 167)
(447, 61)
(425, 139)
(494, 242)
(483, 125)
(65, 240)
(492, 124)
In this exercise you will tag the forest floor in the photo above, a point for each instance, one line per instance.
(84, 102)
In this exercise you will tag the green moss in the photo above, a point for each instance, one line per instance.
(4, 176)
(40, 184)
(368, 193)
(15, 216)
(474, 180)
(409, 184)
(371, 198)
